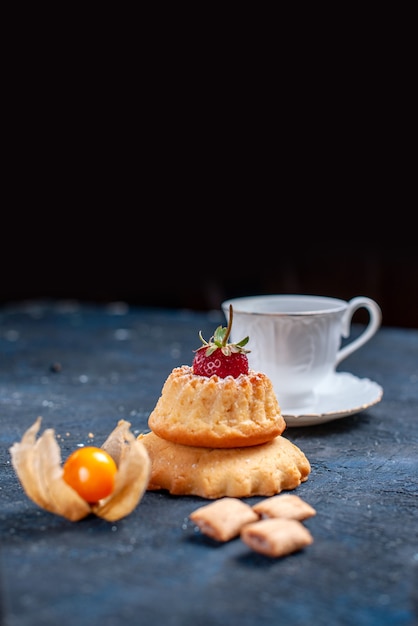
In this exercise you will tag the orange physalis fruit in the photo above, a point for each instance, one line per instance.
(91, 472)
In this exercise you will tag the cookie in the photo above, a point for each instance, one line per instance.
(276, 536)
(287, 505)
(262, 470)
(223, 519)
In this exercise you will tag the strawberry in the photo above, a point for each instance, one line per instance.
(219, 357)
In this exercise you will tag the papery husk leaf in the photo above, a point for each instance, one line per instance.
(62, 499)
(37, 464)
(22, 460)
(134, 471)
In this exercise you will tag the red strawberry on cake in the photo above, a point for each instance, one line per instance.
(219, 357)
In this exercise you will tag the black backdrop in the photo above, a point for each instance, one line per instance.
(156, 257)
(168, 184)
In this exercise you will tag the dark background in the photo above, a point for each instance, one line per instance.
(160, 185)
(197, 261)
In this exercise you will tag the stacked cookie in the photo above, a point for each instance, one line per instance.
(215, 436)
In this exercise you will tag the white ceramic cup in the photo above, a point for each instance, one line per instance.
(296, 340)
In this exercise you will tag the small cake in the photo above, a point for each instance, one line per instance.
(217, 412)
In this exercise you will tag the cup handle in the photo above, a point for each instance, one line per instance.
(375, 320)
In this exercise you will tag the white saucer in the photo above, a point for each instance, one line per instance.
(344, 395)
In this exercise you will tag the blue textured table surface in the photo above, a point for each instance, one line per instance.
(152, 566)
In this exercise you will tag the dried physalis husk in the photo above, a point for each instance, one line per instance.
(37, 463)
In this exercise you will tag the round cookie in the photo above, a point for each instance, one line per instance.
(217, 412)
(262, 470)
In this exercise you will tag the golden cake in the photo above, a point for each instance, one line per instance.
(262, 470)
(215, 412)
